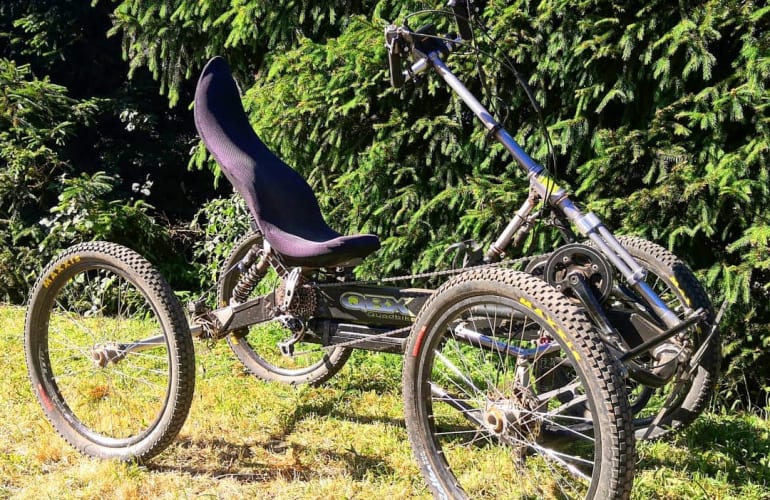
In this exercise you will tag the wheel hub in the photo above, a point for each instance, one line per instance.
(515, 417)
(103, 354)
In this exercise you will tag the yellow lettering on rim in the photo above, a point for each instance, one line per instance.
(676, 284)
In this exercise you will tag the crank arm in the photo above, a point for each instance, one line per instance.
(593, 307)
(103, 354)
(608, 333)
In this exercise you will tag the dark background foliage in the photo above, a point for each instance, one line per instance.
(658, 111)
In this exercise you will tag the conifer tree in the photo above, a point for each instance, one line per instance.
(658, 112)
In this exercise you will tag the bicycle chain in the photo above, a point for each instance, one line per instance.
(408, 277)
(368, 338)
(431, 274)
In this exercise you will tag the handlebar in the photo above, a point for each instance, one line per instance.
(402, 41)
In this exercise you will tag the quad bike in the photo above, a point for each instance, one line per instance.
(516, 383)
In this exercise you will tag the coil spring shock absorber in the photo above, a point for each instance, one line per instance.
(251, 274)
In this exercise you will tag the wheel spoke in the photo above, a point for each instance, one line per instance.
(512, 415)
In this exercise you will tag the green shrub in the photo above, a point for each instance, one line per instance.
(36, 119)
(44, 205)
(219, 224)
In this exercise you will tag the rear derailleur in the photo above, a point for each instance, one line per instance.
(297, 328)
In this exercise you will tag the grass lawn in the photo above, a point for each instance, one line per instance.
(346, 439)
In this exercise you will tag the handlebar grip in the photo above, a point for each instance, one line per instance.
(395, 48)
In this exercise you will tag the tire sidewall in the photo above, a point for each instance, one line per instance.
(667, 266)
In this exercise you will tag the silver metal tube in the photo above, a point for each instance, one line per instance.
(144, 344)
(113, 352)
(637, 272)
(417, 68)
(521, 157)
(611, 256)
(498, 247)
(475, 338)
(589, 224)
(669, 318)
(423, 64)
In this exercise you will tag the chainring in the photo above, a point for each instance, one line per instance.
(576, 257)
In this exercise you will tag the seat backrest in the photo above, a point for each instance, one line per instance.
(274, 192)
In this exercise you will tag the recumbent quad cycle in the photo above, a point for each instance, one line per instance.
(536, 374)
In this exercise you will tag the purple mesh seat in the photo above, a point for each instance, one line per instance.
(281, 202)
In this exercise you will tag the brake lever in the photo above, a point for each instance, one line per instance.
(401, 42)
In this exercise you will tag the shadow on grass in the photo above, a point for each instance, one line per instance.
(226, 460)
(733, 447)
(219, 458)
(331, 404)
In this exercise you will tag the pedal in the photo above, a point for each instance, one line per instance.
(287, 347)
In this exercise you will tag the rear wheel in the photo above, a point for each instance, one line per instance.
(509, 393)
(257, 347)
(109, 352)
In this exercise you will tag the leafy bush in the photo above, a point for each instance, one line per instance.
(662, 112)
(43, 206)
(36, 118)
(219, 223)
(86, 211)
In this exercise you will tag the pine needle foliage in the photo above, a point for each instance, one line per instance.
(659, 113)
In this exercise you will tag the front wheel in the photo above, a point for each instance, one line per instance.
(109, 352)
(510, 393)
(678, 403)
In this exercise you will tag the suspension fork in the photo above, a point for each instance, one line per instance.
(588, 224)
(591, 227)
